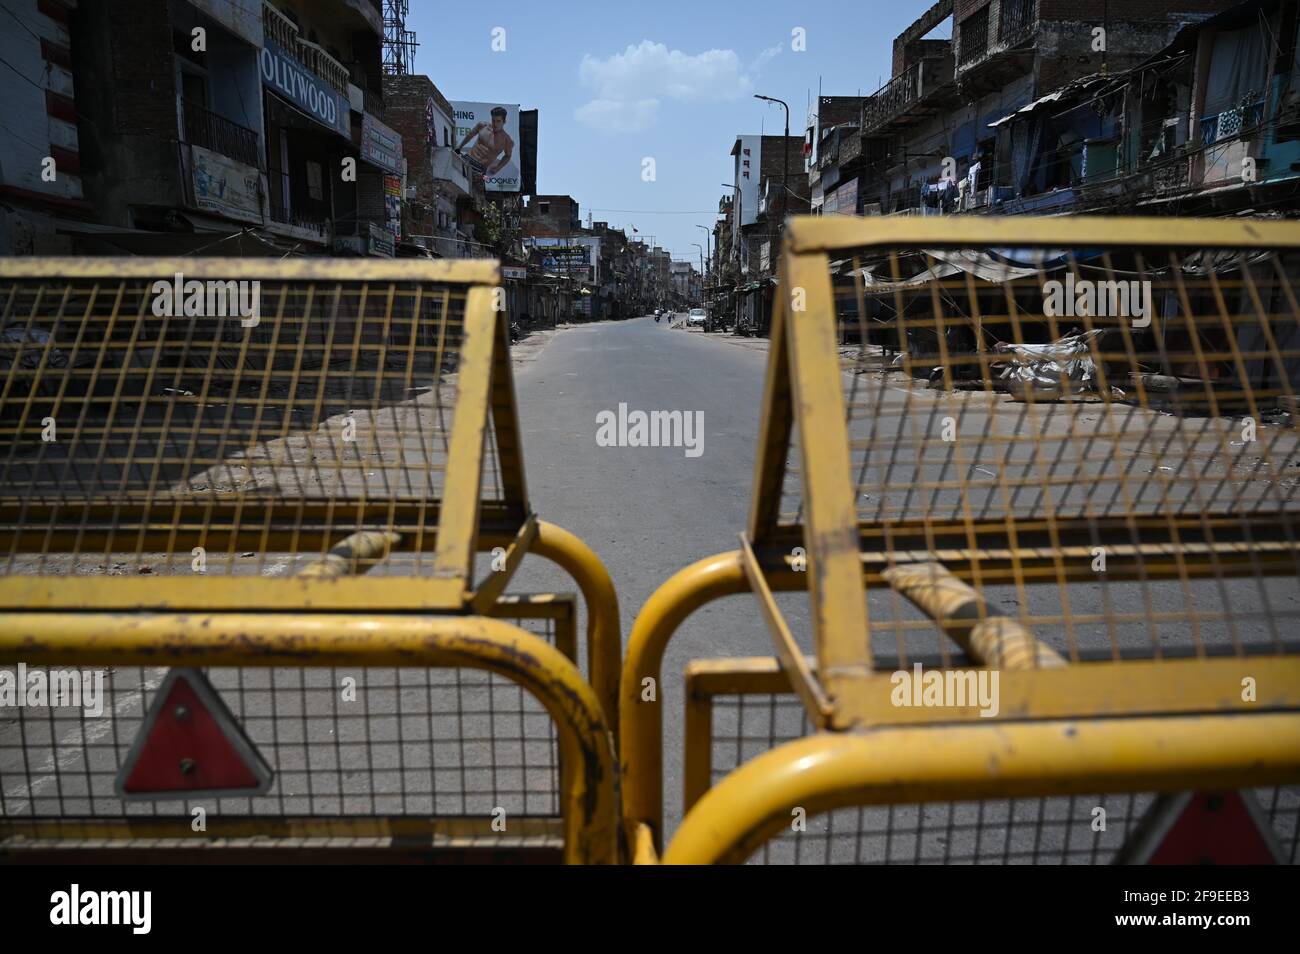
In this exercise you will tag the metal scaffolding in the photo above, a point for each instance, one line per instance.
(399, 42)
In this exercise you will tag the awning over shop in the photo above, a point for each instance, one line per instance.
(1069, 90)
(1041, 101)
(950, 262)
(1009, 264)
(146, 242)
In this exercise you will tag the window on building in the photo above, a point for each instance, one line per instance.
(1015, 18)
(314, 180)
(975, 36)
(194, 88)
(446, 135)
(545, 207)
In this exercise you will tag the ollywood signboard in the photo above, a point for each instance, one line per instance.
(288, 78)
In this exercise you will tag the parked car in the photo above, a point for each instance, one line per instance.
(696, 317)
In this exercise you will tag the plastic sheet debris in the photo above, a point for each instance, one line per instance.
(1050, 371)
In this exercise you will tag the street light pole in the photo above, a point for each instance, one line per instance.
(704, 273)
(785, 157)
(708, 253)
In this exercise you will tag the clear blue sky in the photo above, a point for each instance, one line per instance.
(621, 80)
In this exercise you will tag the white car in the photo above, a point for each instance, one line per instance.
(696, 317)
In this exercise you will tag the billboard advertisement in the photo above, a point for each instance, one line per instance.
(487, 134)
(226, 187)
(393, 204)
(575, 256)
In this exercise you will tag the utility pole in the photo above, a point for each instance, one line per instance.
(737, 238)
(704, 275)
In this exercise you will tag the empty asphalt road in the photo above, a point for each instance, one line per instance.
(649, 511)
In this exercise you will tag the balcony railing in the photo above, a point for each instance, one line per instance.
(314, 216)
(906, 90)
(279, 27)
(450, 166)
(285, 32)
(323, 65)
(210, 131)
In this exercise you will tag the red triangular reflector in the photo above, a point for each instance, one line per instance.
(190, 745)
(1204, 828)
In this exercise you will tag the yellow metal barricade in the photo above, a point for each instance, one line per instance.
(1038, 480)
(282, 473)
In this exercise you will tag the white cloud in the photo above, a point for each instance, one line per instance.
(630, 85)
(765, 57)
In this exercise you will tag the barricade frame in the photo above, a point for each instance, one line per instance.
(331, 612)
(840, 688)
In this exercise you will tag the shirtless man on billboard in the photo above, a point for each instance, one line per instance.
(493, 147)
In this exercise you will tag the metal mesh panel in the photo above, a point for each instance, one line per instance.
(131, 418)
(746, 726)
(1055, 830)
(414, 742)
(1102, 440)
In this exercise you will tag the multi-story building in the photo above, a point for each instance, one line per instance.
(833, 149)
(181, 126)
(440, 188)
(562, 257)
(41, 191)
(616, 291)
(937, 137)
(661, 261)
(685, 284)
(769, 185)
(1050, 107)
(551, 216)
(1208, 125)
